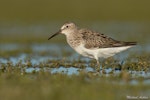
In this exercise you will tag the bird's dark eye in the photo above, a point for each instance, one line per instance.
(67, 26)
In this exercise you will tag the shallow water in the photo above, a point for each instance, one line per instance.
(37, 56)
(75, 71)
(55, 52)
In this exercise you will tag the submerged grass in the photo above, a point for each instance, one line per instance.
(137, 65)
(17, 84)
(43, 85)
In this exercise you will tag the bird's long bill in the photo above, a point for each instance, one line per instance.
(54, 35)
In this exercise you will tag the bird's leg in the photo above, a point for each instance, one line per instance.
(98, 65)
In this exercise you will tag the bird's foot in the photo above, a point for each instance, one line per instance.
(97, 69)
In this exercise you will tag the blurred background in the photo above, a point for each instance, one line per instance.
(31, 67)
(33, 21)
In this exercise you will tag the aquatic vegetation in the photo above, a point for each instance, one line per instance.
(43, 84)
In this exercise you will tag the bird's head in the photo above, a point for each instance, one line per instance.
(66, 29)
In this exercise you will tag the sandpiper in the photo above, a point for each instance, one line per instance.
(90, 43)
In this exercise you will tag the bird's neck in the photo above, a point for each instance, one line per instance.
(74, 39)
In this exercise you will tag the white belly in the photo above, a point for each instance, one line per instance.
(101, 52)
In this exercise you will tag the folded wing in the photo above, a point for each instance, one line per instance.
(94, 40)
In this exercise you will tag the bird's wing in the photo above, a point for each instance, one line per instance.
(94, 40)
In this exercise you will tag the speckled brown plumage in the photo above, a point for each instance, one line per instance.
(98, 40)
